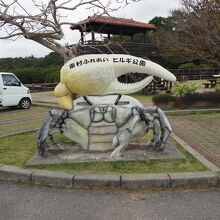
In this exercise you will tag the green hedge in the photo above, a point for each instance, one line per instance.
(38, 75)
(217, 87)
(211, 97)
(163, 98)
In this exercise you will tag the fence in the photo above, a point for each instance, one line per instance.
(195, 74)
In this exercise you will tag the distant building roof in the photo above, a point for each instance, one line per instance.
(112, 25)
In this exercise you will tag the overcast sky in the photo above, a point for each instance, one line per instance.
(142, 11)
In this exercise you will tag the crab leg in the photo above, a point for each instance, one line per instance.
(49, 124)
(121, 140)
(159, 121)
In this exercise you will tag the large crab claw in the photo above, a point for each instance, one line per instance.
(97, 74)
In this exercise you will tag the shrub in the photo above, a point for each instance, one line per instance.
(182, 89)
(163, 98)
(217, 87)
(195, 66)
(205, 99)
(187, 66)
(38, 75)
(211, 97)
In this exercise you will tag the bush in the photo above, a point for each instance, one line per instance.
(217, 87)
(163, 98)
(196, 99)
(38, 75)
(182, 89)
(211, 97)
(195, 66)
(187, 66)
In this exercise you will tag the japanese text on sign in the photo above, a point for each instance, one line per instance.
(134, 61)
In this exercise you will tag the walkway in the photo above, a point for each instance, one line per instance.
(202, 132)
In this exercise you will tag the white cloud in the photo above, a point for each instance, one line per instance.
(147, 9)
(21, 48)
(141, 11)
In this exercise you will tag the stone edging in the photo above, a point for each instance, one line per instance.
(126, 181)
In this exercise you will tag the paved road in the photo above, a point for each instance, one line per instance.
(28, 202)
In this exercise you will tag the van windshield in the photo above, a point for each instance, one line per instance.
(10, 80)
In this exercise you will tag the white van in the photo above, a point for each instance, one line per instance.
(13, 92)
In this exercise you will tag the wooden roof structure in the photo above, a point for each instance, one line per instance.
(112, 25)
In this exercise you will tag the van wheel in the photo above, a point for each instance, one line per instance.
(25, 103)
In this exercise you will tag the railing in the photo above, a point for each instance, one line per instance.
(143, 50)
(195, 74)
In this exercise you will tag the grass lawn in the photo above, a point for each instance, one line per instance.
(142, 98)
(15, 120)
(16, 150)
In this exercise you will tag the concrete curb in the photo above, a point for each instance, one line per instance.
(141, 181)
(15, 174)
(191, 179)
(97, 181)
(126, 181)
(52, 178)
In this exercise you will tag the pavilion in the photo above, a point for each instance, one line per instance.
(112, 26)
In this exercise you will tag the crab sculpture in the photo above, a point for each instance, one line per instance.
(103, 119)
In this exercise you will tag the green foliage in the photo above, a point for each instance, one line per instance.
(217, 87)
(182, 89)
(187, 66)
(137, 38)
(38, 75)
(163, 98)
(189, 99)
(32, 69)
(192, 65)
(162, 23)
(179, 35)
(211, 97)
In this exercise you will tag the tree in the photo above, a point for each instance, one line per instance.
(195, 32)
(162, 23)
(44, 23)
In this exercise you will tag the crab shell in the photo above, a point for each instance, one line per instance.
(97, 74)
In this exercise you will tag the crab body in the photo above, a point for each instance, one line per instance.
(101, 123)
